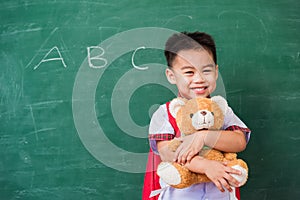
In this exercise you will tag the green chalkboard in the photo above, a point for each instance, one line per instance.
(79, 81)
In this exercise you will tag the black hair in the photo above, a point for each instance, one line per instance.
(186, 41)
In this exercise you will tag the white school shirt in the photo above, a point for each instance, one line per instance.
(204, 191)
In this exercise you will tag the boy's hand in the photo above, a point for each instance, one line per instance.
(219, 174)
(191, 145)
(164, 151)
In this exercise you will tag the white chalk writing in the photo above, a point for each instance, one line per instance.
(45, 59)
(96, 58)
(132, 60)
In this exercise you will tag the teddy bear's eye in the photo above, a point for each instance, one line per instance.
(213, 113)
(191, 115)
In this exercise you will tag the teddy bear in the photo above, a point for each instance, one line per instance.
(194, 115)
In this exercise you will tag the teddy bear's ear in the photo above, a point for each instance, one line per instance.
(175, 105)
(221, 102)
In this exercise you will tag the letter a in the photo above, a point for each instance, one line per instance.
(51, 59)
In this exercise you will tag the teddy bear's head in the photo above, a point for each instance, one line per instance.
(198, 113)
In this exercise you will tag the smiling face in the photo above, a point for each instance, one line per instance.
(194, 73)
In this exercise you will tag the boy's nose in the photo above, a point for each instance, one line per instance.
(198, 77)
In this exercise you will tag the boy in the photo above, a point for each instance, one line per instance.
(192, 67)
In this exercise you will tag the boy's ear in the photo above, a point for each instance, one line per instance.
(217, 71)
(170, 76)
(175, 105)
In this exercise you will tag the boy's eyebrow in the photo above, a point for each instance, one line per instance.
(209, 65)
(192, 67)
(187, 67)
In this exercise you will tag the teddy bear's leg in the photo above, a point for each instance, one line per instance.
(176, 175)
(168, 173)
(240, 165)
(240, 178)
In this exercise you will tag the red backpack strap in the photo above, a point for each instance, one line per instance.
(172, 120)
(151, 179)
(237, 193)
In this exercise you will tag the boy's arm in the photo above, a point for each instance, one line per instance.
(223, 140)
(216, 171)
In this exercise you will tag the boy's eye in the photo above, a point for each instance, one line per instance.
(189, 72)
(207, 70)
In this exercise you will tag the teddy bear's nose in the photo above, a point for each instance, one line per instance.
(203, 113)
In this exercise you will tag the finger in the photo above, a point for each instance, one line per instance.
(233, 171)
(226, 185)
(219, 186)
(182, 157)
(233, 181)
(189, 157)
(177, 152)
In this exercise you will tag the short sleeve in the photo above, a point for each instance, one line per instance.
(160, 128)
(232, 122)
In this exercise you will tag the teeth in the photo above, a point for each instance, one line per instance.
(199, 89)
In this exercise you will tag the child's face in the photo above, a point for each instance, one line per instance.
(194, 73)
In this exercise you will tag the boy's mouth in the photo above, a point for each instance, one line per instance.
(199, 90)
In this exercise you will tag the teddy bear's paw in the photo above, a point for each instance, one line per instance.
(240, 178)
(168, 173)
(174, 144)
